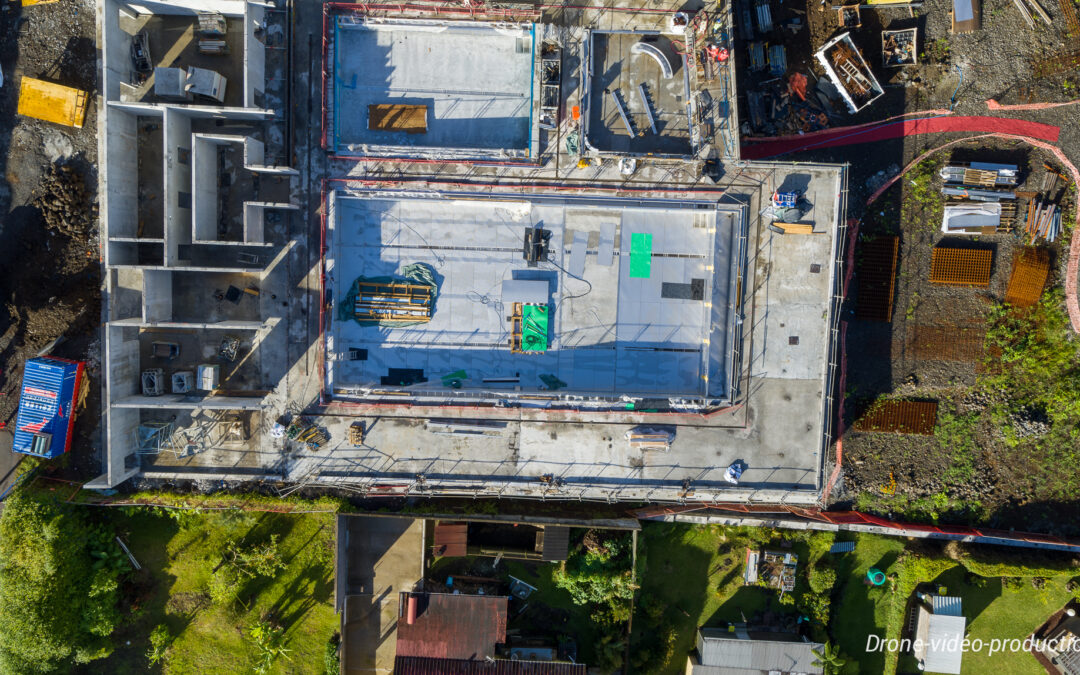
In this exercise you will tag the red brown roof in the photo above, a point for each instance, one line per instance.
(452, 626)
(411, 665)
(451, 539)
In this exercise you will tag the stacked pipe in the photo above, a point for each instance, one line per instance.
(1043, 220)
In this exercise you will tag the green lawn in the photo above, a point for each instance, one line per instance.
(178, 558)
(692, 576)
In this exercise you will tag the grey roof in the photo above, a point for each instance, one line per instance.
(946, 605)
(733, 655)
(944, 637)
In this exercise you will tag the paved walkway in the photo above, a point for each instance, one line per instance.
(383, 556)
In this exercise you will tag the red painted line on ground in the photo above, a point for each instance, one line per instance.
(899, 129)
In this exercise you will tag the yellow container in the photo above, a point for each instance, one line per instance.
(52, 102)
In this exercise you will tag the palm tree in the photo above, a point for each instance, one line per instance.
(829, 659)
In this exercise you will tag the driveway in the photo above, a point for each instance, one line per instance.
(383, 556)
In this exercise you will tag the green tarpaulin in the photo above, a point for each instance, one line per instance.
(640, 255)
(534, 328)
(416, 273)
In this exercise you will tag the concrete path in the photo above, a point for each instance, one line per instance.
(384, 556)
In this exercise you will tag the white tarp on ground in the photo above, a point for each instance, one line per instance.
(970, 218)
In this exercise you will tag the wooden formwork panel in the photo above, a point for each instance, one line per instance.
(947, 343)
(877, 278)
(412, 119)
(901, 417)
(1030, 269)
(961, 267)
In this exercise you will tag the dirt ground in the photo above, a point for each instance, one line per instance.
(49, 249)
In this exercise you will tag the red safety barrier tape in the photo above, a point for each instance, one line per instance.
(899, 129)
(994, 105)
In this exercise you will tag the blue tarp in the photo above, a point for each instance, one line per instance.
(46, 406)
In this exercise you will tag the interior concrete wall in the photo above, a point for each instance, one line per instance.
(121, 175)
(254, 55)
(177, 179)
(157, 295)
(204, 196)
(115, 48)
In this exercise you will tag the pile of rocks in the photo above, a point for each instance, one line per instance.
(64, 201)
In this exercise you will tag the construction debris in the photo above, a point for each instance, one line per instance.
(848, 71)
(898, 47)
(64, 202)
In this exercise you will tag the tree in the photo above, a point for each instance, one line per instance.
(56, 608)
(829, 659)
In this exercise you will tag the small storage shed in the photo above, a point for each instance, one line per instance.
(50, 391)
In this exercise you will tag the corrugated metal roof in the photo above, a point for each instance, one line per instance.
(944, 644)
(765, 655)
(946, 605)
(46, 404)
(556, 543)
(452, 626)
(451, 539)
(411, 665)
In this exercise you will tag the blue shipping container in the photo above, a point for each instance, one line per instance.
(47, 406)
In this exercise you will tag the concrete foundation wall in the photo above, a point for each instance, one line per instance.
(180, 402)
(122, 361)
(255, 219)
(182, 7)
(157, 295)
(115, 48)
(254, 56)
(177, 181)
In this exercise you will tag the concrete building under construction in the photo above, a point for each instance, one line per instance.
(428, 250)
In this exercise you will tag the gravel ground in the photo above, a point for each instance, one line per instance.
(50, 285)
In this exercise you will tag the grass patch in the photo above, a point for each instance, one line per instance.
(179, 551)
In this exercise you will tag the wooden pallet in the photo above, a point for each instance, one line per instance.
(947, 343)
(961, 267)
(877, 279)
(1031, 267)
(900, 417)
(980, 177)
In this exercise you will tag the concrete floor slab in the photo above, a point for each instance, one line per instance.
(616, 71)
(475, 79)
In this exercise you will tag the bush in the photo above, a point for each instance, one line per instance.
(55, 607)
(159, 643)
(224, 586)
(822, 579)
(333, 655)
(257, 560)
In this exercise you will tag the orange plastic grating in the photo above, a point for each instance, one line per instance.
(877, 279)
(1030, 269)
(961, 267)
(901, 417)
(947, 343)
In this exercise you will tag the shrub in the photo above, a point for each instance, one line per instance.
(822, 579)
(159, 644)
(333, 655)
(257, 560)
(55, 607)
(224, 586)
(270, 642)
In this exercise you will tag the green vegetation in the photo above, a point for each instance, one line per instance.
(692, 576)
(598, 575)
(60, 575)
(274, 623)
